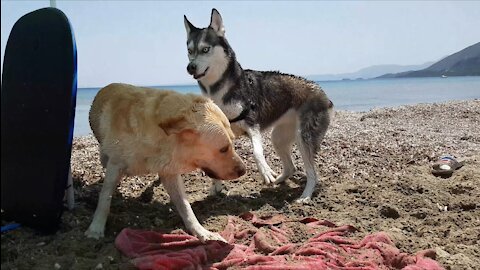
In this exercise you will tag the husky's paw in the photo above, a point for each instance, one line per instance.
(280, 179)
(284, 176)
(96, 234)
(304, 200)
(268, 176)
(205, 236)
(216, 188)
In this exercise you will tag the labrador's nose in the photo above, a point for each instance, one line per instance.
(240, 170)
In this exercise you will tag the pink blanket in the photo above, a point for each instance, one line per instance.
(267, 243)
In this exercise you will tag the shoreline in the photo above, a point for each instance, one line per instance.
(374, 174)
(363, 112)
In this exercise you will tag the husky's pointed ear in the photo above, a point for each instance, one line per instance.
(188, 26)
(216, 23)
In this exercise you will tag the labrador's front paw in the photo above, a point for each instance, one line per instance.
(205, 235)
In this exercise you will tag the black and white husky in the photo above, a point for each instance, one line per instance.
(296, 109)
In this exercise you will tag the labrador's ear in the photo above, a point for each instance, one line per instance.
(179, 127)
(187, 135)
(173, 125)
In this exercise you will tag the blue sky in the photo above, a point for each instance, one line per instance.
(143, 42)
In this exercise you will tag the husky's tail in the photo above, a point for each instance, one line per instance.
(314, 122)
(331, 111)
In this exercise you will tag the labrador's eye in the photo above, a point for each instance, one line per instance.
(206, 49)
(225, 149)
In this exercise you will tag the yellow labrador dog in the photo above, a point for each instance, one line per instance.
(142, 130)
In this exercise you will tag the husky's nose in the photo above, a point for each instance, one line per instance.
(192, 68)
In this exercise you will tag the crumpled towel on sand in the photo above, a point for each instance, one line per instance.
(269, 243)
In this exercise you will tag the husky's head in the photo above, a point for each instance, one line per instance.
(208, 51)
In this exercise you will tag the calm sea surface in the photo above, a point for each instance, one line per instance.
(357, 95)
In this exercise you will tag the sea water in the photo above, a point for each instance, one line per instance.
(351, 95)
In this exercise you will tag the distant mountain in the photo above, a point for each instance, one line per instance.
(368, 72)
(463, 63)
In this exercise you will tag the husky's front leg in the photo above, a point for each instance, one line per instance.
(267, 173)
(113, 174)
(176, 190)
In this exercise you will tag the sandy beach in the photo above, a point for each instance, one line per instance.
(375, 174)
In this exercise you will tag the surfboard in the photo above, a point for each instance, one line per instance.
(38, 98)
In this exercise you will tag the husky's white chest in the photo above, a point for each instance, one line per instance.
(232, 109)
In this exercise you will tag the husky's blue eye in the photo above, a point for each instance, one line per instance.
(189, 51)
(206, 49)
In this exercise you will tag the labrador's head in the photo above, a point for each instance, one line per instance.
(207, 144)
